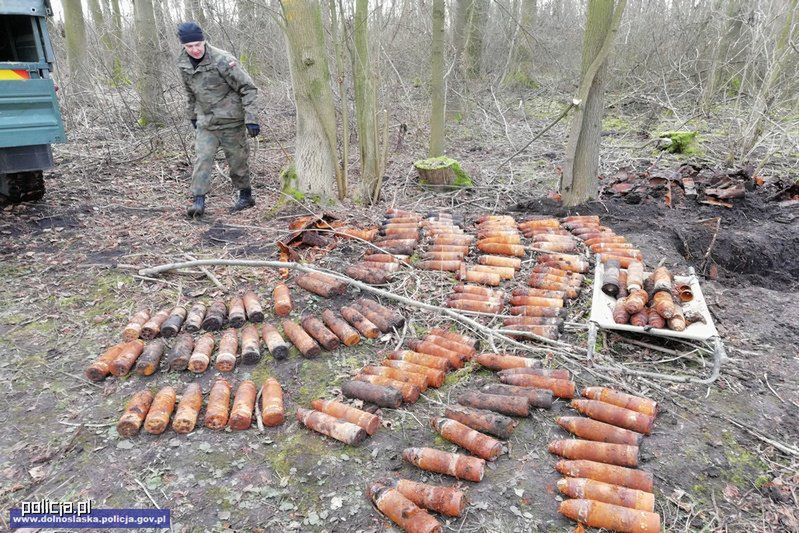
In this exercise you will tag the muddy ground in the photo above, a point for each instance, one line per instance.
(69, 282)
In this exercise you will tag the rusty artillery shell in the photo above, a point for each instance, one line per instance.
(501, 239)
(613, 414)
(557, 373)
(397, 234)
(250, 345)
(455, 359)
(635, 301)
(615, 475)
(577, 266)
(501, 261)
(620, 314)
(598, 238)
(610, 283)
(594, 430)
(394, 317)
(482, 420)
(195, 317)
(640, 319)
(215, 316)
(346, 333)
(325, 424)
(448, 248)
(101, 367)
(369, 275)
(422, 359)
(469, 296)
(495, 248)
(152, 327)
(274, 341)
(654, 320)
(371, 393)
(228, 350)
(387, 268)
(441, 256)
(533, 310)
(582, 488)
(454, 239)
(536, 301)
(569, 291)
(135, 411)
(126, 357)
(382, 322)
(410, 392)
(625, 257)
(369, 422)
(402, 511)
(601, 452)
(243, 405)
(608, 516)
(549, 332)
(541, 398)
(684, 292)
(564, 276)
(433, 377)
(181, 351)
(216, 411)
(299, 338)
(555, 247)
(133, 328)
(553, 238)
(318, 287)
(463, 339)
(318, 331)
(677, 322)
(360, 322)
(201, 355)
(150, 358)
(399, 375)
(236, 314)
(188, 409)
(635, 276)
(383, 258)
(252, 306)
(475, 306)
(621, 399)
(171, 325)
(448, 501)
(495, 361)
(540, 223)
(281, 297)
(514, 321)
(390, 241)
(161, 409)
(450, 344)
(543, 293)
(446, 266)
(663, 304)
(562, 388)
(480, 445)
(506, 405)
(502, 272)
(451, 464)
(475, 276)
(272, 403)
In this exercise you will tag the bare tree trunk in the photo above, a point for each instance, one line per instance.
(316, 157)
(476, 17)
(521, 56)
(148, 50)
(344, 105)
(437, 90)
(198, 11)
(365, 105)
(579, 182)
(730, 31)
(75, 28)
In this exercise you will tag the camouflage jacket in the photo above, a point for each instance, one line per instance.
(220, 94)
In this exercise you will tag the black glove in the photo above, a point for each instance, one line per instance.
(194, 123)
(253, 129)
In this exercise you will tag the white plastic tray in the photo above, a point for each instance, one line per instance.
(602, 311)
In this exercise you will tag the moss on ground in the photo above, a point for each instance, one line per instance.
(682, 142)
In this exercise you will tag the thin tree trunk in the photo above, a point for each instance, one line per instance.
(579, 182)
(344, 105)
(147, 49)
(476, 17)
(730, 30)
(437, 90)
(316, 161)
(365, 104)
(75, 28)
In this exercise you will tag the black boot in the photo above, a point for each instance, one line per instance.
(197, 209)
(245, 201)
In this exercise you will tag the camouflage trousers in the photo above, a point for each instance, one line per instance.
(234, 144)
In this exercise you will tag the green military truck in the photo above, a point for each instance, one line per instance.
(30, 119)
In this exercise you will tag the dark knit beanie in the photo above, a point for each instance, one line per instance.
(190, 32)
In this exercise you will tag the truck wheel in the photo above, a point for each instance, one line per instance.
(21, 187)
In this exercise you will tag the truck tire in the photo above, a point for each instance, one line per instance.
(21, 187)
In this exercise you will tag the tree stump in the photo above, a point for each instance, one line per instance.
(442, 172)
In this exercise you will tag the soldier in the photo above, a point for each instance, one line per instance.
(221, 106)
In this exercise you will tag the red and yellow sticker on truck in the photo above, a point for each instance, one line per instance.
(8, 74)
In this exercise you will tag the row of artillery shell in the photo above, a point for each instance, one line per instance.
(404, 503)
(526, 372)
(500, 237)
(169, 321)
(154, 412)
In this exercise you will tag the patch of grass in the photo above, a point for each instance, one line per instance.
(744, 465)
(615, 124)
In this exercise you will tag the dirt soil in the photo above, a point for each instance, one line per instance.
(69, 282)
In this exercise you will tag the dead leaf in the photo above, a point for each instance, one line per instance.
(731, 493)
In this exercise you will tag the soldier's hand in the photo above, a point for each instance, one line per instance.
(253, 129)
(194, 123)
